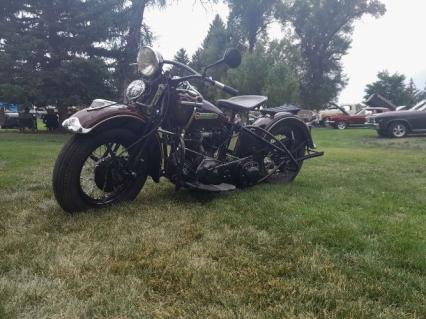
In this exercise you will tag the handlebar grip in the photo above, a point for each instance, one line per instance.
(230, 90)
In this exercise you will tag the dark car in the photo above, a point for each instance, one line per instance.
(344, 121)
(400, 124)
(9, 119)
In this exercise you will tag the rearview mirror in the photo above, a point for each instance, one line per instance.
(232, 58)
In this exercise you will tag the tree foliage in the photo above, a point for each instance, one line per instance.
(269, 70)
(413, 93)
(249, 19)
(394, 88)
(323, 32)
(66, 52)
(182, 57)
(46, 51)
(49, 47)
(211, 50)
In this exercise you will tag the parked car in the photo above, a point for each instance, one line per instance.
(377, 100)
(400, 124)
(342, 122)
(9, 119)
(308, 116)
(334, 109)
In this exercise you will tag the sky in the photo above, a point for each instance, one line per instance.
(394, 42)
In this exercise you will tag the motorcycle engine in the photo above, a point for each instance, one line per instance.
(208, 174)
(249, 173)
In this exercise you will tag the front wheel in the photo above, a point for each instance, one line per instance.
(342, 125)
(92, 172)
(398, 130)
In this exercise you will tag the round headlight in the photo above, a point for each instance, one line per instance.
(135, 90)
(149, 62)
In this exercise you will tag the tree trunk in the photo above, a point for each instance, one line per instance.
(252, 42)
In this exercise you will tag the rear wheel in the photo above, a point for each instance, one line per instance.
(294, 139)
(398, 130)
(91, 171)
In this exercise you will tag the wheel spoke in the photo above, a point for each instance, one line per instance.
(94, 157)
(111, 182)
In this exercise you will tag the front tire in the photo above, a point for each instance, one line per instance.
(342, 125)
(398, 130)
(106, 173)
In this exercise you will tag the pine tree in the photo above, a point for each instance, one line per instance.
(390, 86)
(182, 57)
(47, 45)
(412, 93)
(212, 49)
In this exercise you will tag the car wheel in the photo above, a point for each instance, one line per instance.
(398, 130)
(342, 125)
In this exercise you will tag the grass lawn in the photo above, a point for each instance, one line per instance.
(346, 240)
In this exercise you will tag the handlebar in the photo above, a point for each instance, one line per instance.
(196, 75)
(227, 89)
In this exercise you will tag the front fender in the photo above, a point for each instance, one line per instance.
(104, 115)
(99, 113)
(391, 121)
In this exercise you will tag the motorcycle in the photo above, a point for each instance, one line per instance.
(167, 129)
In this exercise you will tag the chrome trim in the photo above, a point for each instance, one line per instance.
(78, 128)
(193, 104)
(205, 116)
(73, 125)
(135, 90)
(100, 104)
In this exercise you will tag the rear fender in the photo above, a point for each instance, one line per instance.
(104, 115)
(246, 144)
(285, 119)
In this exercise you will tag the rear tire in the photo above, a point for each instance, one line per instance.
(68, 168)
(297, 147)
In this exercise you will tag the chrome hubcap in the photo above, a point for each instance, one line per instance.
(399, 130)
(341, 125)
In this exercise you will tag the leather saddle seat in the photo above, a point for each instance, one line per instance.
(242, 103)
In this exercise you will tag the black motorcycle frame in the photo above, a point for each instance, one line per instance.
(173, 144)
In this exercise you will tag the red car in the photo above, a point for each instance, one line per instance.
(343, 121)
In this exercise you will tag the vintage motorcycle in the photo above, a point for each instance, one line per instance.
(168, 129)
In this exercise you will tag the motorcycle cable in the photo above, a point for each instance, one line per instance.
(284, 148)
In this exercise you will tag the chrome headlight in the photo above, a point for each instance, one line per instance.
(135, 90)
(149, 62)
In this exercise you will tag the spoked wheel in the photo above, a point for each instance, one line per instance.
(282, 165)
(92, 171)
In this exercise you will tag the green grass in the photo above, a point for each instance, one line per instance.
(346, 240)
